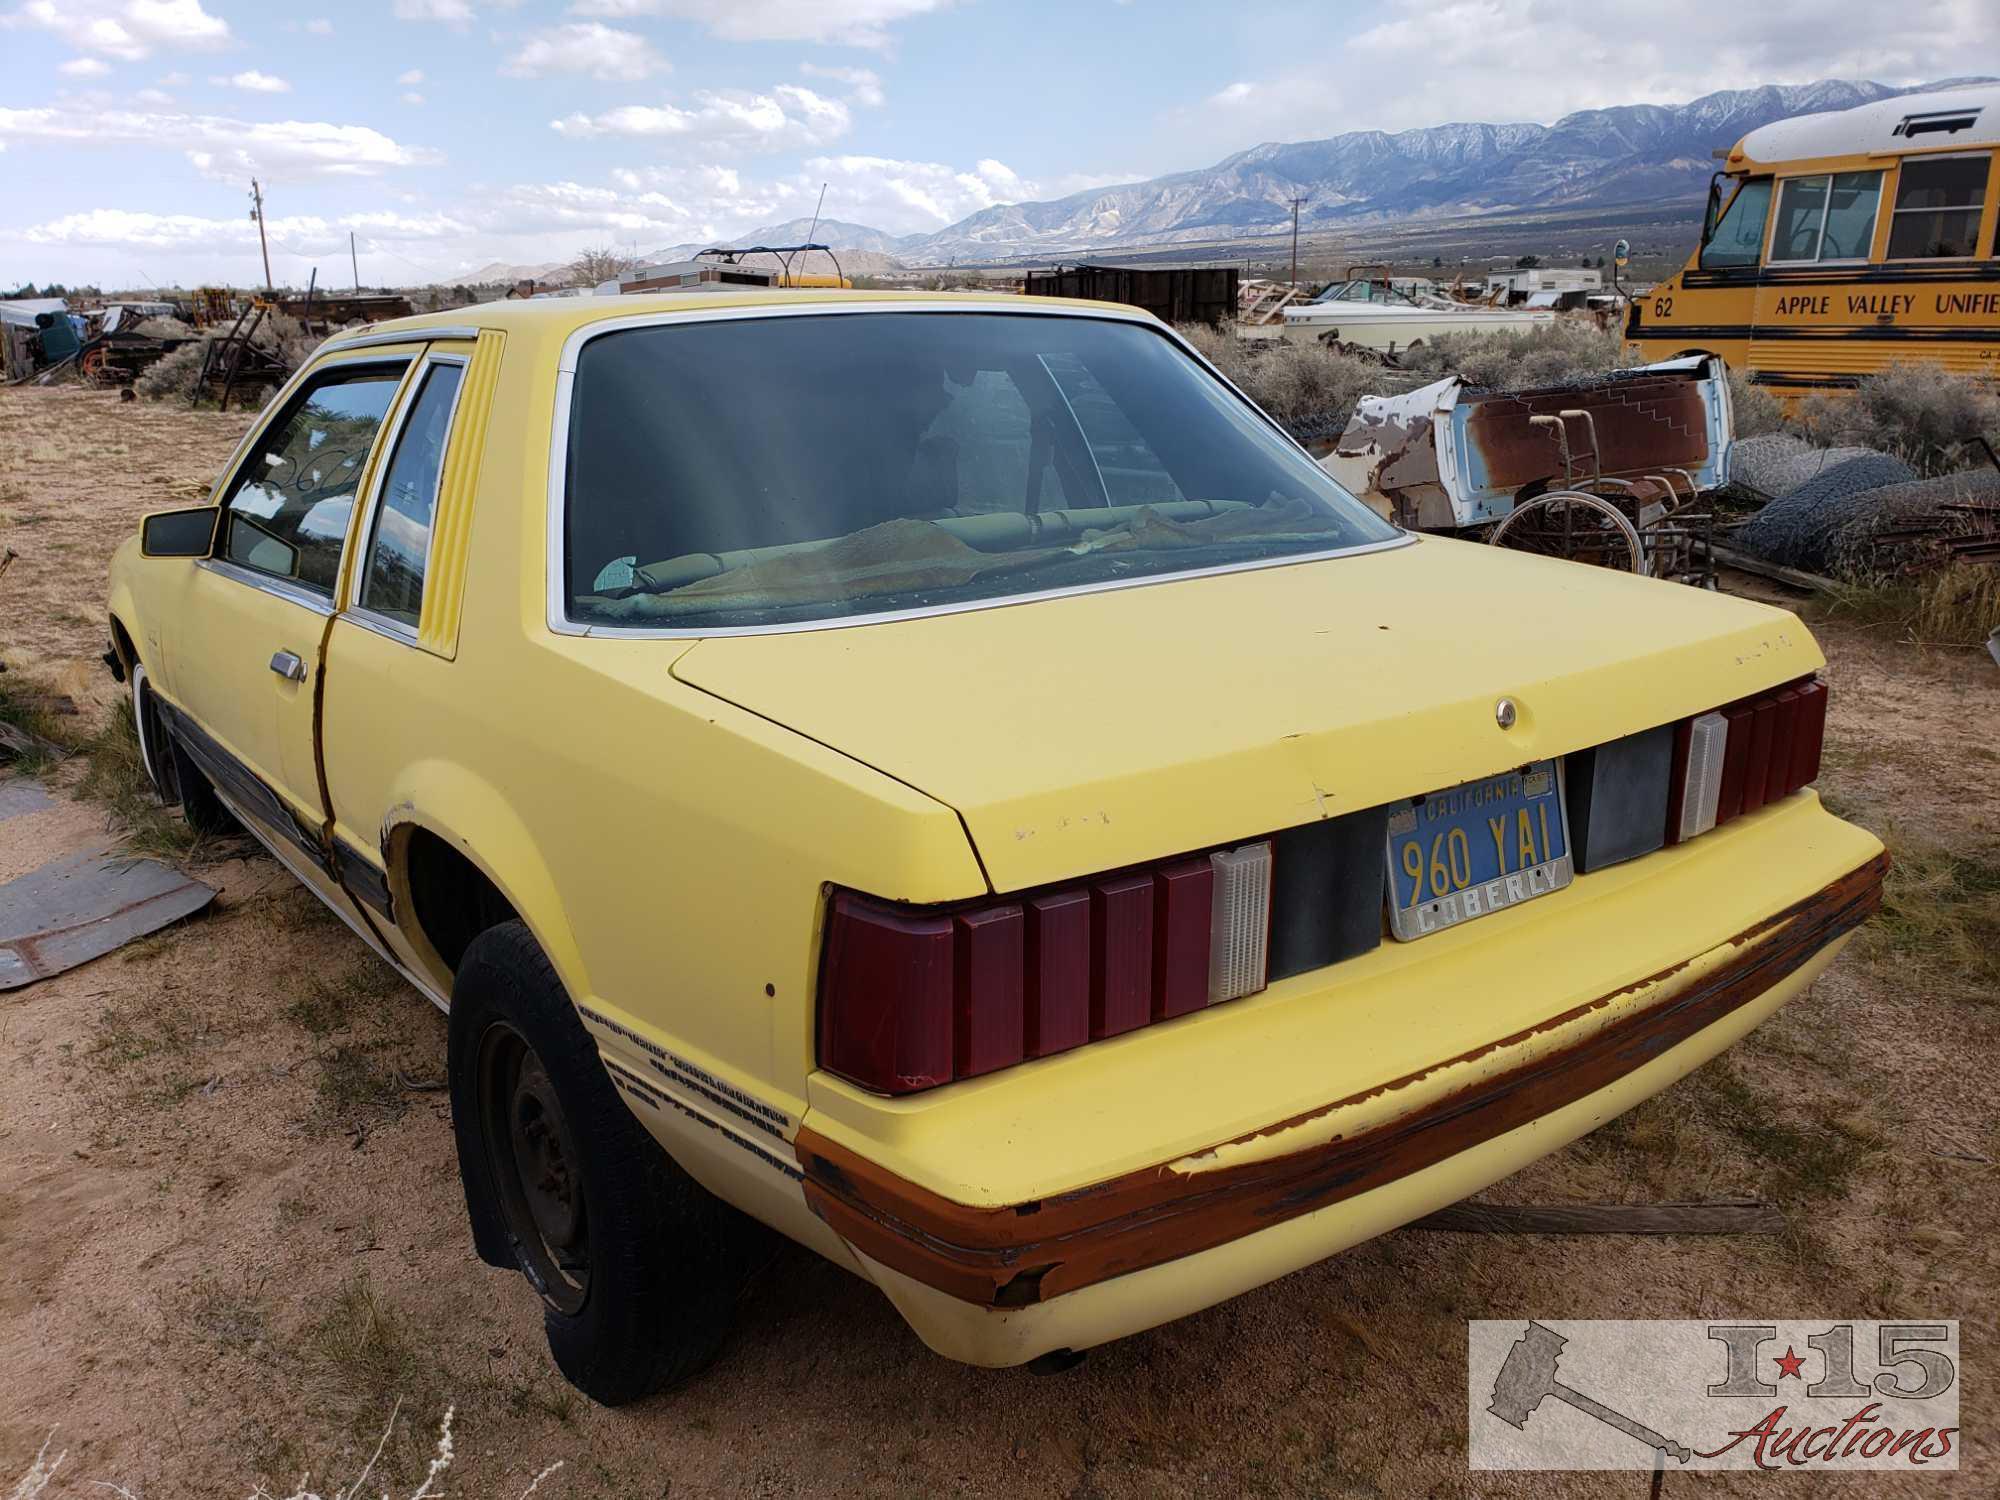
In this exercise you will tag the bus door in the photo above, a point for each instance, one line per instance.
(1813, 321)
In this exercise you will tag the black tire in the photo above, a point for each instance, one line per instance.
(640, 1277)
(203, 810)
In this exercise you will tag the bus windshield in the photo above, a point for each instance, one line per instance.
(1739, 235)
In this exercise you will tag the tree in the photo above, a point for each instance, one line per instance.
(1437, 262)
(602, 264)
(1528, 262)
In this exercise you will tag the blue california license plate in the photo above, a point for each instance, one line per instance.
(1473, 849)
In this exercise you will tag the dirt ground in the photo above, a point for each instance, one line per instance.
(230, 1208)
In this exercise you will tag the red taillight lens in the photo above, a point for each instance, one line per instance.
(1739, 757)
(893, 1022)
(910, 999)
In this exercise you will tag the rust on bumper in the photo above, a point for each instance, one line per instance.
(1023, 1253)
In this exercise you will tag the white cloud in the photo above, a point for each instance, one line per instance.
(864, 87)
(602, 52)
(153, 96)
(84, 67)
(1428, 62)
(125, 29)
(413, 97)
(854, 23)
(412, 78)
(457, 12)
(786, 117)
(306, 233)
(253, 82)
(175, 81)
(220, 146)
(319, 26)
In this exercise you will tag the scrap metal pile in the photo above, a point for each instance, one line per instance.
(1855, 512)
(1615, 470)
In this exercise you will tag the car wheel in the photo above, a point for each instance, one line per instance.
(632, 1259)
(155, 749)
(201, 807)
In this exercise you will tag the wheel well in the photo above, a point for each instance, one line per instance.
(121, 642)
(450, 896)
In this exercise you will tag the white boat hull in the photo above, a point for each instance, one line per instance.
(1388, 330)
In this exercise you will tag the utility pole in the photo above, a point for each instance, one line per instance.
(1297, 203)
(257, 213)
(353, 261)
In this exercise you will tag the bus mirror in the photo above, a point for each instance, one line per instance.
(1713, 212)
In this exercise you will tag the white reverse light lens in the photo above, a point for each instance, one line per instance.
(1710, 737)
(1240, 927)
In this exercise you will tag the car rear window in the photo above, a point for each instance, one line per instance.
(776, 470)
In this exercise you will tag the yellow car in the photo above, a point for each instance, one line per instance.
(949, 779)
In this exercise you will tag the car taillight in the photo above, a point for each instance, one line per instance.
(1734, 759)
(910, 998)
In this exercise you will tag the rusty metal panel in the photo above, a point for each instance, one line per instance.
(83, 905)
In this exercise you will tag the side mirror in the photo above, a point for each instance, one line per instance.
(179, 533)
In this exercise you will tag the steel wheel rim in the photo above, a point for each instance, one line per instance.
(535, 1168)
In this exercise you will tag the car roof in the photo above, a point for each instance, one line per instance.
(556, 318)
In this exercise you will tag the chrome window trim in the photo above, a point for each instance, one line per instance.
(382, 625)
(557, 616)
(420, 372)
(270, 583)
(300, 377)
(405, 336)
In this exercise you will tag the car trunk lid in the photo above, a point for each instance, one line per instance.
(1085, 732)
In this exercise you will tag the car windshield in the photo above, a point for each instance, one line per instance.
(771, 470)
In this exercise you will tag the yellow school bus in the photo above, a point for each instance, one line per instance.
(1837, 244)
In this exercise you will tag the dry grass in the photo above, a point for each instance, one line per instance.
(1924, 414)
(1754, 411)
(1566, 350)
(1309, 388)
(28, 702)
(1940, 917)
(1957, 605)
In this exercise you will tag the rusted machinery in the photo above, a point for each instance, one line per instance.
(1614, 471)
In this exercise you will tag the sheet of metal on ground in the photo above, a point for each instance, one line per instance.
(82, 905)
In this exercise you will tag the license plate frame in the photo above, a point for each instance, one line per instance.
(1522, 799)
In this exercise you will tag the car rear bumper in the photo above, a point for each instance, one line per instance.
(998, 1283)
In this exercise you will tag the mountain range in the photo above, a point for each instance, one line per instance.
(1629, 153)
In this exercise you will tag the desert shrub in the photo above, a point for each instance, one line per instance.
(172, 376)
(1568, 349)
(1757, 412)
(1924, 414)
(1957, 605)
(1309, 388)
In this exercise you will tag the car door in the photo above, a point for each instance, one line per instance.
(389, 702)
(255, 614)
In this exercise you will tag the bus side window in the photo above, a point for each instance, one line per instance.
(1938, 204)
(1739, 234)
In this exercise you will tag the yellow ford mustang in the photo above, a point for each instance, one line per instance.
(950, 780)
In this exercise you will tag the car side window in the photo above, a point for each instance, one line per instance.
(288, 511)
(392, 580)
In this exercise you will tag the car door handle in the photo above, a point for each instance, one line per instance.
(288, 666)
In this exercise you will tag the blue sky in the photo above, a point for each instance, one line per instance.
(448, 134)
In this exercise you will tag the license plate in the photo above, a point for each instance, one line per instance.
(1473, 849)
